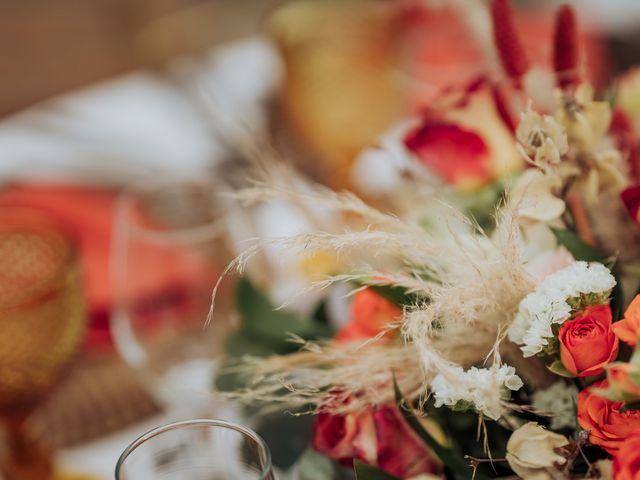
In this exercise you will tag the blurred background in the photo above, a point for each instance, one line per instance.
(121, 124)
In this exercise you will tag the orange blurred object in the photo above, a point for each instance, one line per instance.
(371, 314)
(353, 68)
(87, 213)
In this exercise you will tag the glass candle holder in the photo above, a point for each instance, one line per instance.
(196, 450)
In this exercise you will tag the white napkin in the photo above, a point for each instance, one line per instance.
(143, 123)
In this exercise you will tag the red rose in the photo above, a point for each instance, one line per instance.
(346, 436)
(608, 426)
(626, 463)
(587, 343)
(400, 452)
(379, 437)
(371, 313)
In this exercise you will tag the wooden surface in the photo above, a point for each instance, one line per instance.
(51, 46)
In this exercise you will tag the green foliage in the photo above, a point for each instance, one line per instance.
(264, 331)
(576, 246)
(582, 251)
(287, 436)
(368, 472)
(315, 466)
(396, 295)
(261, 320)
(558, 368)
(452, 459)
(630, 406)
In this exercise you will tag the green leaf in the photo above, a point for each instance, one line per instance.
(261, 319)
(241, 343)
(576, 246)
(368, 472)
(451, 459)
(559, 369)
(630, 406)
(397, 295)
(582, 251)
(315, 466)
(287, 436)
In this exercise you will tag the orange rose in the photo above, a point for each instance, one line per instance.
(608, 426)
(370, 314)
(626, 463)
(624, 380)
(587, 343)
(628, 329)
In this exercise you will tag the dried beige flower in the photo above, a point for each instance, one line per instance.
(534, 199)
(542, 140)
(531, 450)
(584, 119)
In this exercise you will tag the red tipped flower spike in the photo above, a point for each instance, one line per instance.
(512, 55)
(565, 48)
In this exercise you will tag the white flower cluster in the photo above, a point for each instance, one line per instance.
(480, 388)
(548, 303)
(560, 400)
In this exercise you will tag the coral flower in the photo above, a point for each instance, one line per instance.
(608, 426)
(628, 328)
(626, 464)
(587, 343)
(371, 313)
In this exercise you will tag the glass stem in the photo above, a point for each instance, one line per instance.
(24, 458)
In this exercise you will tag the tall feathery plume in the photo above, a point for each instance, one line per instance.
(566, 55)
(512, 55)
(472, 296)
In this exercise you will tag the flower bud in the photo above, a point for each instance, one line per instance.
(532, 449)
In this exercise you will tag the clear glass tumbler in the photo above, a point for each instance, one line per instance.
(168, 252)
(196, 450)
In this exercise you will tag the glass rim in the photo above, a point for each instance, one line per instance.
(199, 422)
(191, 234)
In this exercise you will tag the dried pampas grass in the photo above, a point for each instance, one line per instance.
(468, 286)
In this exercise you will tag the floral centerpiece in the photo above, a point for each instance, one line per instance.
(490, 331)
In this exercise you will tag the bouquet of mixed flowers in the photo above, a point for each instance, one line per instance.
(489, 331)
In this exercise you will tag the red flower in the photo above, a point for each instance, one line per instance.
(512, 54)
(345, 437)
(566, 58)
(466, 138)
(457, 155)
(628, 329)
(371, 313)
(379, 437)
(587, 343)
(608, 426)
(626, 463)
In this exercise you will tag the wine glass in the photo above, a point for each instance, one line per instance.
(168, 252)
(196, 450)
(42, 320)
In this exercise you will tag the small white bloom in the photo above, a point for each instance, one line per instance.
(484, 388)
(560, 400)
(548, 303)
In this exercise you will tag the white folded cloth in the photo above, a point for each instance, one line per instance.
(144, 123)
